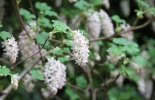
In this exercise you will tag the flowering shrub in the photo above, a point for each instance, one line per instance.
(77, 50)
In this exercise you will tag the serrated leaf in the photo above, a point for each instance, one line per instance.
(97, 2)
(42, 21)
(82, 5)
(51, 13)
(120, 41)
(42, 6)
(26, 14)
(36, 75)
(57, 51)
(4, 71)
(81, 81)
(4, 35)
(60, 26)
(117, 19)
(41, 38)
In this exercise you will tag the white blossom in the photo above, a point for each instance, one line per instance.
(14, 81)
(106, 24)
(129, 35)
(80, 48)
(55, 75)
(11, 49)
(106, 4)
(93, 27)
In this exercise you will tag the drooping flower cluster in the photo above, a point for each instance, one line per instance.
(11, 49)
(106, 23)
(93, 27)
(14, 81)
(80, 48)
(128, 35)
(55, 75)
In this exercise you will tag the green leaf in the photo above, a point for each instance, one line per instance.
(67, 42)
(42, 21)
(36, 75)
(60, 26)
(63, 59)
(4, 35)
(51, 13)
(143, 3)
(116, 49)
(71, 94)
(97, 2)
(126, 70)
(42, 6)
(57, 51)
(120, 41)
(66, 50)
(140, 60)
(41, 38)
(4, 71)
(117, 19)
(26, 14)
(152, 10)
(82, 5)
(132, 48)
(81, 81)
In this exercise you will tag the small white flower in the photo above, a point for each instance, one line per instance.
(128, 35)
(14, 81)
(107, 26)
(80, 48)
(11, 49)
(55, 75)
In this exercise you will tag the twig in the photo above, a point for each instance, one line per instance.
(31, 55)
(75, 87)
(9, 88)
(20, 18)
(123, 32)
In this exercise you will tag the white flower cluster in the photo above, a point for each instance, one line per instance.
(93, 27)
(128, 35)
(106, 24)
(14, 81)
(28, 82)
(80, 48)
(11, 49)
(55, 75)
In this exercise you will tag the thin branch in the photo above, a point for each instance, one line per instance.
(123, 32)
(75, 87)
(31, 55)
(9, 88)
(20, 18)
